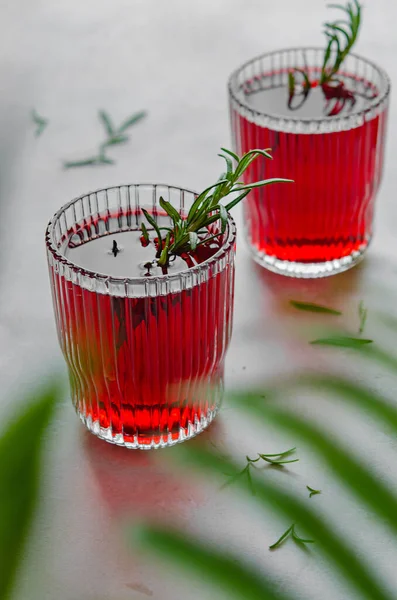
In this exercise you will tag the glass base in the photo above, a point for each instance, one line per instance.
(162, 440)
(309, 270)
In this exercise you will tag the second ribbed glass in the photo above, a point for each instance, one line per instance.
(145, 354)
(323, 223)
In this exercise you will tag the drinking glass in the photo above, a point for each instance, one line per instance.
(145, 354)
(322, 224)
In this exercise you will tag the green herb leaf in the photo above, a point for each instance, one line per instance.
(101, 159)
(170, 210)
(153, 223)
(232, 154)
(20, 457)
(362, 313)
(290, 532)
(41, 123)
(312, 491)
(224, 217)
(107, 123)
(193, 239)
(343, 44)
(219, 567)
(251, 186)
(336, 27)
(145, 232)
(291, 83)
(201, 198)
(81, 163)
(327, 54)
(285, 535)
(342, 342)
(163, 260)
(275, 459)
(132, 120)
(207, 208)
(298, 539)
(229, 164)
(316, 308)
(117, 139)
(104, 160)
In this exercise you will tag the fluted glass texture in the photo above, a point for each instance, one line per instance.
(145, 354)
(323, 223)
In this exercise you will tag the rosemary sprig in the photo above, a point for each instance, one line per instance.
(362, 313)
(40, 122)
(116, 135)
(290, 532)
(100, 159)
(342, 35)
(188, 232)
(277, 460)
(312, 491)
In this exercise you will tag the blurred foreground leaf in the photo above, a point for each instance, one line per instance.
(219, 568)
(339, 552)
(341, 342)
(20, 449)
(316, 308)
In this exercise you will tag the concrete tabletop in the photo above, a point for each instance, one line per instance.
(67, 59)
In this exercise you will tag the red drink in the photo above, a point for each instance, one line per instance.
(322, 224)
(145, 350)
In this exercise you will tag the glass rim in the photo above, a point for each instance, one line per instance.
(231, 233)
(374, 104)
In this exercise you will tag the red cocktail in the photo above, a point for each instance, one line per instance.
(332, 146)
(145, 346)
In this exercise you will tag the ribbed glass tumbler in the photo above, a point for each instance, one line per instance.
(322, 224)
(145, 354)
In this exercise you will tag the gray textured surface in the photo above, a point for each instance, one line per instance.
(67, 59)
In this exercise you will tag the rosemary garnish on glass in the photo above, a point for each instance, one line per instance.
(341, 36)
(192, 230)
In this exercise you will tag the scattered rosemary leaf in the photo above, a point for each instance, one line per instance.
(316, 308)
(312, 491)
(94, 160)
(278, 460)
(285, 535)
(116, 139)
(290, 532)
(132, 120)
(116, 135)
(362, 313)
(342, 342)
(107, 123)
(40, 122)
(298, 539)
